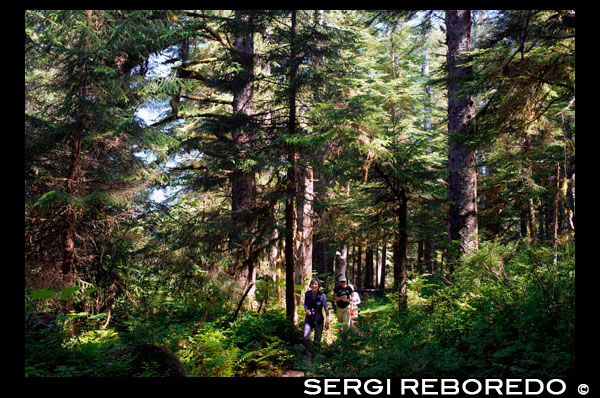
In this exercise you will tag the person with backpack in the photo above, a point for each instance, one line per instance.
(314, 303)
(342, 297)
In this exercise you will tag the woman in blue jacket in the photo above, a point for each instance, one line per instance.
(314, 303)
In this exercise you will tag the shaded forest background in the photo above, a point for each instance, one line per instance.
(188, 171)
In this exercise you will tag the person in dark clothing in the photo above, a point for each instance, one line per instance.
(341, 298)
(314, 303)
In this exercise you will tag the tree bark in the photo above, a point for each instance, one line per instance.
(369, 268)
(556, 210)
(320, 245)
(273, 251)
(377, 265)
(530, 206)
(243, 184)
(68, 264)
(341, 263)
(421, 256)
(462, 187)
(429, 255)
(305, 236)
(381, 283)
(400, 266)
(359, 280)
(291, 214)
(352, 267)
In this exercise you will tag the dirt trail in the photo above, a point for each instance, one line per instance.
(293, 373)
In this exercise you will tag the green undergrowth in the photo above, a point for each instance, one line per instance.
(509, 312)
(264, 344)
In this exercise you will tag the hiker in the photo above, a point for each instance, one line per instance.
(341, 298)
(354, 302)
(314, 303)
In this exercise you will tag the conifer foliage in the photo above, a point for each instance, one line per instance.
(82, 137)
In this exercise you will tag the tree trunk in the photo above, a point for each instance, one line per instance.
(307, 223)
(530, 207)
(352, 269)
(421, 256)
(273, 251)
(377, 266)
(429, 242)
(319, 264)
(543, 220)
(290, 237)
(359, 280)
(556, 210)
(571, 199)
(341, 263)
(462, 187)
(400, 266)
(381, 283)
(305, 217)
(429, 255)
(369, 268)
(243, 185)
(523, 217)
(319, 244)
(68, 264)
(291, 216)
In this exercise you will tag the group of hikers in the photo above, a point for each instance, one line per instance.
(345, 301)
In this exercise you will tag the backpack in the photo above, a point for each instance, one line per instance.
(353, 308)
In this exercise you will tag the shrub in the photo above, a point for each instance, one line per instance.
(209, 352)
(508, 312)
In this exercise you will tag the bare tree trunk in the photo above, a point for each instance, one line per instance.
(462, 187)
(340, 263)
(304, 241)
(307, 223)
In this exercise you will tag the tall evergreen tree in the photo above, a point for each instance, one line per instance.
(243, 184)
(83, 72)
(462, 182)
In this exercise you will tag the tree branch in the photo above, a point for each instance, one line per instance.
(388, 181)
(521, 47)
(210, 100)
(241, 301)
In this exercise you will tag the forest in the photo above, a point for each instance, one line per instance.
(189, 172)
